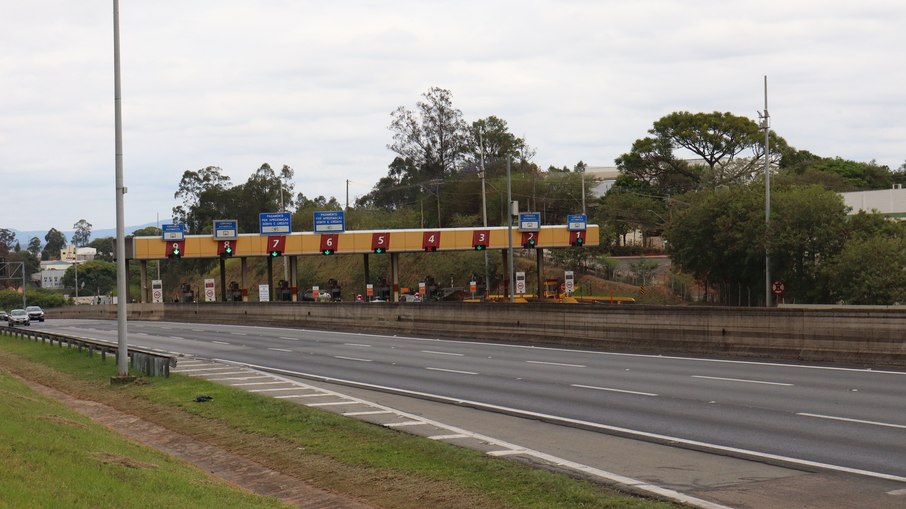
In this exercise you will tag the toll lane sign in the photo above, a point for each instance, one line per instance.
(275, 223)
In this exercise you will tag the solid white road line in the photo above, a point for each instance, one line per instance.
(453, 371)
(277, 389)
(370, 412)
(858, 421)
(449, 437)
(256, 383)
(404, 423)
(443, 353)
(557, 364)
(614, 390)
(335, 403)
(741, 380)
(236, 378)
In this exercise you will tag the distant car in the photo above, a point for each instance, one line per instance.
(3, 315)
(18, 317)
(35, 313)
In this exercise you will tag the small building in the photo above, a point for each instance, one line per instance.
(889, 202)
(71, 253)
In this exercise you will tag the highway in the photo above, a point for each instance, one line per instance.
(849, 420)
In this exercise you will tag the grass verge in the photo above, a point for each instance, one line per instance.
(54, 457)
(384, 467)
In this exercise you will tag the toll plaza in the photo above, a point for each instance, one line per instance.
(361, 242)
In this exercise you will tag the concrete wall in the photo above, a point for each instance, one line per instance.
(870, 337)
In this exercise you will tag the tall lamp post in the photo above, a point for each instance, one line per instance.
(484, 210)
(766, 125)
(122, 291)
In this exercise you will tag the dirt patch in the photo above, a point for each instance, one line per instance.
(56, 419)
(115, 459)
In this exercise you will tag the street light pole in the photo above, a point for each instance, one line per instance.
(122, 291)
(765, 124)
(509, 224)
(484, 210)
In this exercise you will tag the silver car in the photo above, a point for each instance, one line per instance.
(35, 313)
(18, 317)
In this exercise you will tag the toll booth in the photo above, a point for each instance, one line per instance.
(333, 288)
(235, 293)
(186, 294)
(284, 293)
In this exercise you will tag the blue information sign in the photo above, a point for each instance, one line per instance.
(330, 222)
(275, 223)
(226, 229)
(529, 221)
(173, 231)
(576, 222)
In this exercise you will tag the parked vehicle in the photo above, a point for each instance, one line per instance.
(18, 317)
(35, 313)
(3, 315)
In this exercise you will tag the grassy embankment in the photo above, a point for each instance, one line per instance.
(50, 452)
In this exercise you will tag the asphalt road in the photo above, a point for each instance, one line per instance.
(851, 420)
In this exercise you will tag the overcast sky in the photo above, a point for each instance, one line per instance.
(236, 83)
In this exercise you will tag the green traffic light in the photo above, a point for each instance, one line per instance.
(275, 254)
(379, 250)
(479, 247)
(327, 252)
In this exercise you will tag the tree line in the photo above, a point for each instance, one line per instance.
(696, 179)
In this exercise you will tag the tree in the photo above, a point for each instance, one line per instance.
(803, 168)
(205, 197)
(808, 228)
(82, 233)
(7, 240)
(95, 277)
(434, 137)
(34, 246)
(730, 147)
(870, 271)
(490, 140)
(104, 247)
(55, 241)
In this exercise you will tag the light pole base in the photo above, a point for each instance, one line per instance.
(122, 380)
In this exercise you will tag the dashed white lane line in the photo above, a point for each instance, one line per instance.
(453, 371)
(443, 353)
(357, 344)
(291, 339)
(239, 334)
(177, 337)
(609, 389)
(275, 390)
(335, 403)
(741, 380)
(257, 383)
(449, 437)
(404, 423)
(858, 421)
(352, 358)
(557, 364)
(195, 370)
(220, 342)
(280, 349)
(235, 378)
(218, 374)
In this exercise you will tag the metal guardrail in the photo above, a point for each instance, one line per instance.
(149, 362)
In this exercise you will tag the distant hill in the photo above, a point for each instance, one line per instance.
(23, 236)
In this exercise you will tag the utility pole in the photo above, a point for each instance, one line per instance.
(122, 291)
(509, 224)
(484, 211)
(766, 125)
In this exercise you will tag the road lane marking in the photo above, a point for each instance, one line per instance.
(404, 423)
(449, 437)
(239, 334)
(177, 337)
(280, 349)
(236, 378)
(199, 369)
(356, 344)
(220, 342)
(859, 421)
(291, 339)
(453, 371)
(557, 364)
(370, 412)
(443, 353)
(614, 390)
(741, 380)
(257, 383)
(352, 358)
(277, 389)
(335, 403)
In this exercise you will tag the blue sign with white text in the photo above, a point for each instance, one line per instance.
(529, 221)
(173, 231)
(226, 229)
(330, 222)
(275, 223)
(576, 222)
